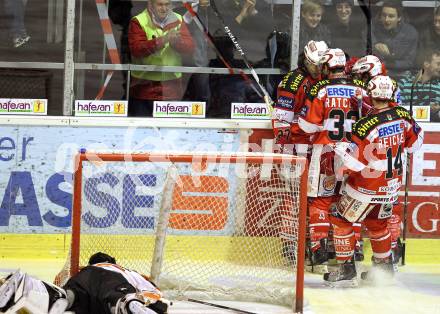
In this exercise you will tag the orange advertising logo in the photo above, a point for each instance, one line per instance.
(194, 208)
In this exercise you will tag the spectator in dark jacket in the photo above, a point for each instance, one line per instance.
(119, 12)
(226, 89)
(429, 38)
(311, 27)
(394, 41)
(346, 31)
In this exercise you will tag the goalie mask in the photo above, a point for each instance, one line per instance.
(370, 65)
(381, 87)
(334, 59)
(314, 50)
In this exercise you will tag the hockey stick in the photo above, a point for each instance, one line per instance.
(267, 99)
(367, 12)
(219, 306)
(408, 172)
(210, 39)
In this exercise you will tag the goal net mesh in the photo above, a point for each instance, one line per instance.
(227, 226)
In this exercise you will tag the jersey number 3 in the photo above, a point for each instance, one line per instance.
(341, 118)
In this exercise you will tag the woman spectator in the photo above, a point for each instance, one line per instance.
(346, 30)
(311, 27)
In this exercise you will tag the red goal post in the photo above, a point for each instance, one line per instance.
(227, 226)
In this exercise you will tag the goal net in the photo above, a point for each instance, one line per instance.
(228, 226)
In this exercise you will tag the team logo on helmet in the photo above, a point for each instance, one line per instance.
(381, 87)
(370, 65)
(314, 50)
(334, 58)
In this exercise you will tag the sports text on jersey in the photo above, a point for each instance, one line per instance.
(344, 91)
(318, 85)
(296, 82)
(365, 125)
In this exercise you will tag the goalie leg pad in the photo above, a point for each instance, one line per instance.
(23, 293)
(380, 237)
(343, 238)
(8, 288)
(146, 305)
(136, 307)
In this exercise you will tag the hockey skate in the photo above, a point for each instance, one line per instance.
(381, 272)
(359, 251)
(397, 252)
(345, 276)
(317, 260)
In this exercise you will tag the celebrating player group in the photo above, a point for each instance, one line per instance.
(345, 117)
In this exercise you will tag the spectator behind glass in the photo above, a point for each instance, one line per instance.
(278, 57)
(427, 90)
(15, 9)
(119, 12)
(346, 30)
(198, 86)
(430, 37)
(157, 36)
(311, 27)
(226, 88)
(394, 40)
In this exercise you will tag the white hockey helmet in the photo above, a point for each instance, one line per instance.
(369, 64)
(381, 87)
(334, 58)
(314, 50)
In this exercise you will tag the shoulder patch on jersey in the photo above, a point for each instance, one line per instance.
(285, 102)
(316, 87)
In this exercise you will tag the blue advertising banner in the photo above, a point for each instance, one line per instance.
(36, 164)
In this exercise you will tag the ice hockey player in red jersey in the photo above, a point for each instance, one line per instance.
(375, 165)
(365, 69)
(370, 66)
(291, 94)
(327, 117)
